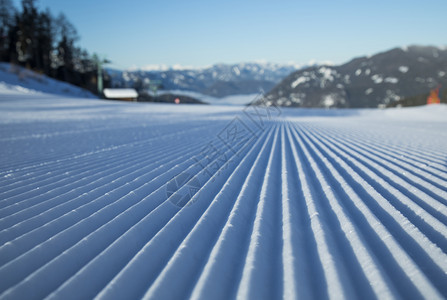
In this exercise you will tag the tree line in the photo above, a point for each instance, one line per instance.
(44, 43)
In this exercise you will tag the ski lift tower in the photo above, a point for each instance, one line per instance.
(99, 63)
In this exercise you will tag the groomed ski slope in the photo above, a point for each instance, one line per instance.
(126, 200)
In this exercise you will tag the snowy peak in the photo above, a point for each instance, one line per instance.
(368, 81)
(256, 65)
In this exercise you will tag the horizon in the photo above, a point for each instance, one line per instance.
(197, 34)
(178, 67)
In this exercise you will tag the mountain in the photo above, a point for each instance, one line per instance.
(372, 81)
(219, 80)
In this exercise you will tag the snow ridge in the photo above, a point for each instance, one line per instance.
(314, 206)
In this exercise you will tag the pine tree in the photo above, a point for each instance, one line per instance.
(27, 43)
(65, 47)
(7, 13)
(44, 42)
(39, 41)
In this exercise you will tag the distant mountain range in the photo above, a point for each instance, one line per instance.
(219, 80)
(378, 80)
(385, 79)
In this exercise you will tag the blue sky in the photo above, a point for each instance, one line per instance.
(137, 33)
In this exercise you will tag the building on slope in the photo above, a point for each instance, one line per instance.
(121, 94)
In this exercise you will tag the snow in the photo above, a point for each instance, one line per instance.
(403, 69)
(328, 101)
(299, 81)
(164, 67)
(369, 91)
(280, 203)
(377, 79)
(120, 93)
(328, 73)
(392, 80)
(18, 80)
(390, 95)
(248, 65)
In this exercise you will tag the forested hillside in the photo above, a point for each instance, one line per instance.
(45, 43)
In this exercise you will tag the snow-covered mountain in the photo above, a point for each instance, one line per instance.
(18, 80)
(219, 80)
(366, 81)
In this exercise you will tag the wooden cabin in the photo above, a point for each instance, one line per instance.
(121, 94)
